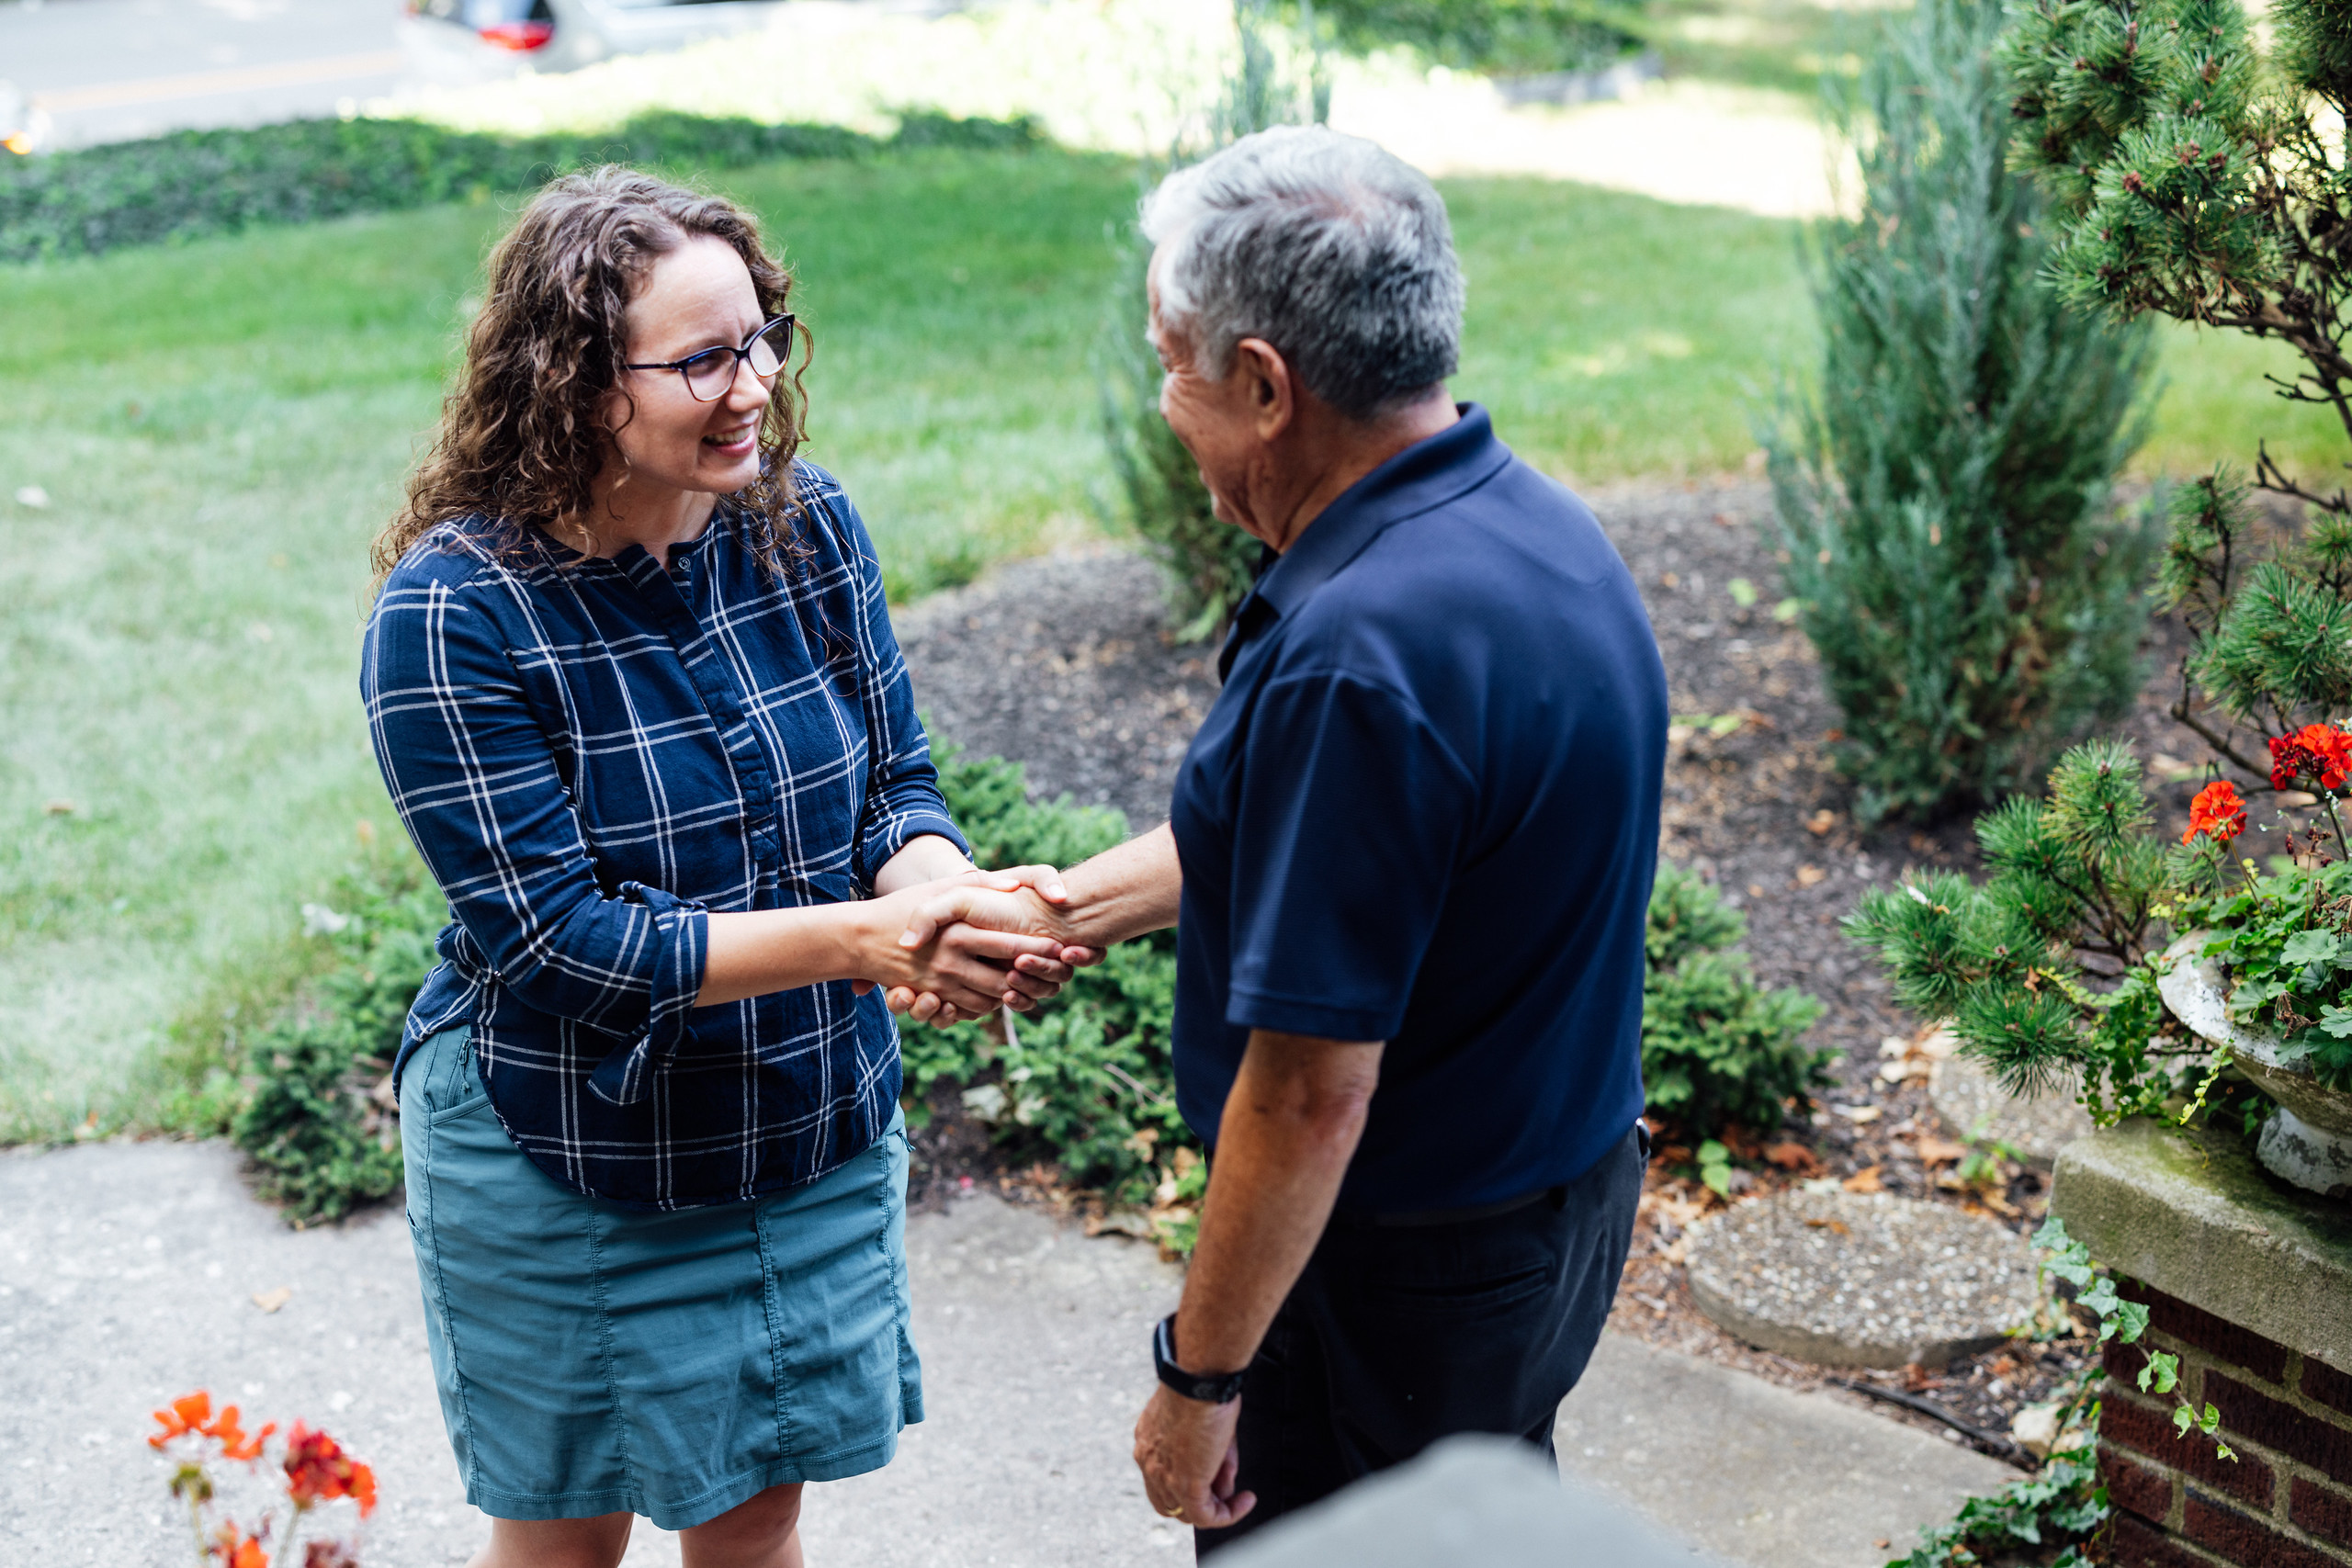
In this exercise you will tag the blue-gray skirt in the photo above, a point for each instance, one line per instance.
(595, 1359)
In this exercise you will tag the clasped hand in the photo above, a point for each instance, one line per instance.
(975, 943)
(1008, 921)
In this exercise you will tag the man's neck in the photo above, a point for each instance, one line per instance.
(1339, 451)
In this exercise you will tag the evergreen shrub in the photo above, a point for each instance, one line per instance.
(1502, 37)
(192, 183)
(2048, 969)
(320, 1123)
(1210, 564)
(1943, 500)
(1717, 1049)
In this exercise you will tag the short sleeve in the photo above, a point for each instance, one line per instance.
(1352, 816)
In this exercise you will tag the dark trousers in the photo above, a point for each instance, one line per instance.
(1399, 1333)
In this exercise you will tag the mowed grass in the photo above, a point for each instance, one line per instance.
(220, 428)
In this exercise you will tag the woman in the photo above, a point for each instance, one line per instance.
(632, 683)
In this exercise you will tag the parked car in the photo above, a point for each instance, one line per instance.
(465, 41)
(22, 126)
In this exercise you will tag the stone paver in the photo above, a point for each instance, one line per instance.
(1973, 1106)
(126, 1273)
(1861, 1279)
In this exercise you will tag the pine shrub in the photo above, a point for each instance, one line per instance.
(1944, 500)
(2047, 968)
(2190, 176)
(1717, 1049)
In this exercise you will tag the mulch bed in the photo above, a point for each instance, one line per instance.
(1064, 664)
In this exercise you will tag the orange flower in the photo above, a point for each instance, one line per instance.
(193, 1415)
(2217, 812)
(234, 1549)
(318, 1470)
(186, 1415)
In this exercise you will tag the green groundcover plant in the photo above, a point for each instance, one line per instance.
(201, 182)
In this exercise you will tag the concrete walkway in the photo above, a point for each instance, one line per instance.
(127, 1273)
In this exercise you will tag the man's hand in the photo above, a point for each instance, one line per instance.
(1190, 1460)
(1016, 903)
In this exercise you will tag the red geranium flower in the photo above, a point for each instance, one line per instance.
(2319, 751)
(318, 1470)
(2217, 812)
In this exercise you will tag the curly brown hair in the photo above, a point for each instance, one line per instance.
(520, 442)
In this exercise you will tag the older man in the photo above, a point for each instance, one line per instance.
(1411, 848)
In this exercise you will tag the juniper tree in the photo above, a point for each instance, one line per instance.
(1943, 501)
(2193, 178)
(1210, 564)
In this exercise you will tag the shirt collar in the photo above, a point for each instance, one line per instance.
(1428, 473)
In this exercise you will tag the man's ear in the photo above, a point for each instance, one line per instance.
(1272, 394)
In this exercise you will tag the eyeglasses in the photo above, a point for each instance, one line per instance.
(711, 372)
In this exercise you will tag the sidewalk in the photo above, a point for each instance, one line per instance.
(126, 1273)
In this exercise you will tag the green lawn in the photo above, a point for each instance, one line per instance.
(222, 426)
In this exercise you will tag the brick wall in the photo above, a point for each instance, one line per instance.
(2287, 1502)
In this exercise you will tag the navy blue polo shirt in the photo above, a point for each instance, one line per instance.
(1424, 810)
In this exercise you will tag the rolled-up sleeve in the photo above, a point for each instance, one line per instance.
(474, 777)
(902, 798)
(1350, 824)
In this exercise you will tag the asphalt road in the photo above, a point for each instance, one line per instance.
(112, 70)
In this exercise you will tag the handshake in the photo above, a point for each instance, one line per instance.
(967, 945)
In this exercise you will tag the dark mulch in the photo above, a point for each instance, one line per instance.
(1063, 664)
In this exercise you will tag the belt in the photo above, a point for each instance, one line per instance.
(1558, 1196)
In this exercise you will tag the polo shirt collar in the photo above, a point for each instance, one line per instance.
(1427, 474)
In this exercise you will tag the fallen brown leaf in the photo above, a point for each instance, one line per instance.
(1820, 822)
(1863, 1181)
(270, 1300)
(1940, 1151)
(1792, 1157)
(1809, 875)
(1837, 1228)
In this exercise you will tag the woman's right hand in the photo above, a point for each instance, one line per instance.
(961, 970)
(1023, 901)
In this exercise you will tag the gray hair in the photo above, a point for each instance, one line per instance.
(1333, 249)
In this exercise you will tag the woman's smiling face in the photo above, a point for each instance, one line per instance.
(697, 297)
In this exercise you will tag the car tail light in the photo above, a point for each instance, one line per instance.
(520, 35)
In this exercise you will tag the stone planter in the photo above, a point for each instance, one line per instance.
(2307, 1140)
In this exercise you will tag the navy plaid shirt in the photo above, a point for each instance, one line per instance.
(592, 754)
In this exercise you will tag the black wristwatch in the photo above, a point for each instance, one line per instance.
(1220, 1388)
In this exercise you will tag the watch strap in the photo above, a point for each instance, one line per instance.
(1213, 1388)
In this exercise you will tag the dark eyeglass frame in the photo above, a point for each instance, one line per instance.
(684, 367)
